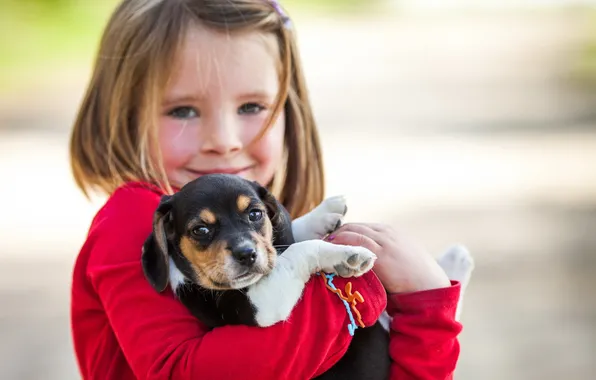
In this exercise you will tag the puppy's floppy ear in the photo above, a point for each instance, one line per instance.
(279, 216)
(155, 258)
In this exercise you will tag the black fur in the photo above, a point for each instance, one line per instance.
(367, 356)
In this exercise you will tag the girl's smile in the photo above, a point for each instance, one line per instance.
(224, 170)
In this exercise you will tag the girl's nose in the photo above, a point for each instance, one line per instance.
(221, 137)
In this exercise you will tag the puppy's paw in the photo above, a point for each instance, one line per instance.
(333, 205)
(328, 216)
(458, 264)
(350, 261)
(324, 219)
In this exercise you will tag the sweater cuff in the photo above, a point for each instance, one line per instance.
(423, 300)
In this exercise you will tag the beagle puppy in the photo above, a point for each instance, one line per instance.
(226, 246)
(222, 237)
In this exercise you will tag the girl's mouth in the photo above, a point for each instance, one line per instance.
(221, 171)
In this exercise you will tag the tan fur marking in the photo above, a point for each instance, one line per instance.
(208, 216)
(242, 203)
(264, 243)
(207, 264)
(267, 230)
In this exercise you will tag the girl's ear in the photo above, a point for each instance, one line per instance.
(155, 257)
(279, 216)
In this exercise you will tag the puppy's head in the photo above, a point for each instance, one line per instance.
(218, 230)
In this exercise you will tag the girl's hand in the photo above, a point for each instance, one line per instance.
(402, 266)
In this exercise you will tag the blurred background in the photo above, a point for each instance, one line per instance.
(457, 121)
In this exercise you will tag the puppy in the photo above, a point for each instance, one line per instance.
(227, 246)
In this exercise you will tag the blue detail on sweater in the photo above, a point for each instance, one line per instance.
(352, 326)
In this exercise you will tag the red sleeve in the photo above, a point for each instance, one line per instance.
(424, 332)
(160, 339)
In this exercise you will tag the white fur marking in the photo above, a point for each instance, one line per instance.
(385, 320)
(276, 294)
(176, 277)
(458, 264)
(320, 221)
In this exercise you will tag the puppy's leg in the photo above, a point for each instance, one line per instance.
(325, 218)
(458, 265)
(275, 295)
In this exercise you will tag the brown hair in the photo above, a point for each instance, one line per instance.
(115, 129)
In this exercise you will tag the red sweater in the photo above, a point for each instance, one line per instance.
(123, 329)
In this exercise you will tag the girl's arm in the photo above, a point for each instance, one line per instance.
(424, 332)
(162, 340)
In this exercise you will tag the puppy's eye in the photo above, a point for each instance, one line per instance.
(255, 215)
(200, 232)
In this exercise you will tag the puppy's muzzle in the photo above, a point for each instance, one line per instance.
(245, 254)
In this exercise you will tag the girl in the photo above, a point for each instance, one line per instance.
(182, 88)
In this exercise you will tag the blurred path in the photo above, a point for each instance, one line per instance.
(476, 138)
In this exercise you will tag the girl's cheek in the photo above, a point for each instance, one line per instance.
(254, 125)
(175, 132)
(177, 139)
(271, 145)
(278, 131)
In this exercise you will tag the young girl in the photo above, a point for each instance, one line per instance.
(182, 88)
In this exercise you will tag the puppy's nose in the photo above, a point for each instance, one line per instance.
(245, 255)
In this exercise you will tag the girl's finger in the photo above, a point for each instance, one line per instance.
(358, 228)
(354, 239)
(377, 227)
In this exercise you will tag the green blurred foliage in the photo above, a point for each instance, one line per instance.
(39, 34)
(584, 71)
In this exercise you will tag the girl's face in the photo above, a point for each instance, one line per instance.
(222, 91)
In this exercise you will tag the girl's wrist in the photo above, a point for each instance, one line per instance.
(417, 285)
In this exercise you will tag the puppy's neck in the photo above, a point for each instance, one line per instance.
(176, 277)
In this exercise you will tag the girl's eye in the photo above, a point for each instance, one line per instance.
(255, 215)
(200, 232)
(250, 109)
(184, 113)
